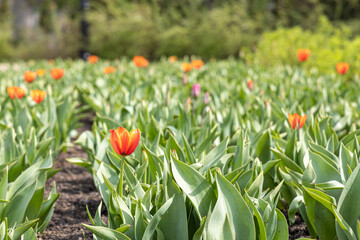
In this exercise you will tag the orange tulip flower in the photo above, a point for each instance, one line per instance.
(296, 121)
(303, 54)
(37, 95)
(40, 72)
(140, 61)
(123, 142)
(92, 59)
(109, 69)
(342, 68)
(186, 67)
(18, 92)
(197, 64)
(173, 59)
(57, 73)
(250, 84)
(29, 76)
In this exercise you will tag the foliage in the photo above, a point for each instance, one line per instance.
(329, 45)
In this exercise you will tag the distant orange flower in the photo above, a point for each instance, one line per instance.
(140, 61)
(303, 54)
(123, 142)
(250, 84)
(197, 64)
(296, 121)
(342, 68)
(186, 67)
(29, 76)
(51, 61)
(57, 73)
(92, 59)
(109, 69)
(40, 72)
(173, 59)
(18, 92)
(37, 95)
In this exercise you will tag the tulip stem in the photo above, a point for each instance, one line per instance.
(121, 183)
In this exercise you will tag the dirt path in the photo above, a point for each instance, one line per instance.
(76, 188)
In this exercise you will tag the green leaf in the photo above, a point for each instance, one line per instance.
(154, 222)
(231, 205)
(195, 186)
(106, 233)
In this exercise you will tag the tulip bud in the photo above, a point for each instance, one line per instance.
(187, 106)
(184, 80)
(206, 98)
(195, 91)
(250, 84)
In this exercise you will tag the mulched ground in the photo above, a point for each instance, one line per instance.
(298, 229)
(76, 188)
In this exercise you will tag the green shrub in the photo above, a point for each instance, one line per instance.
(134, 29)
(328, 44)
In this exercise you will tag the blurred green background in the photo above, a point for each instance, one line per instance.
(265, 32)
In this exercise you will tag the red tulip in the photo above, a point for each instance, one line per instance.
(29, 76)
(57, 73)
(342, 68)
(197, 64)
(38, 96)
(140, 61)
(92, 59)
(173, 59)
(109, 69)
(18, 92)
(123, 142)
(186, 67)
(250, 84)
(296, 121)
(303, 54)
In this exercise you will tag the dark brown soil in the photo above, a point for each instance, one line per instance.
(76, 188)
(298, 229)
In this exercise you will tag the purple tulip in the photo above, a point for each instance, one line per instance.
(195, 91)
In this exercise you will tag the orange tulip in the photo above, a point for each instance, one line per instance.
(123, 142)
(40, 72)
(29, 76)
(342, 68)
(296, 121)
(18, 92)
(303, 54)
(250, 84)
(173, 59)
(140, 61)
(186, 67)
(109, 69)
(92, 59)
(197, 64)
(57, 73)
(37, 95)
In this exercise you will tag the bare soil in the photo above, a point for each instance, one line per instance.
(76, 188)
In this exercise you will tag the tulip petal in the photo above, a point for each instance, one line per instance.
(115, 141)
(134, 141)
(302, 121)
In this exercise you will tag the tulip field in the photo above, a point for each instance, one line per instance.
(183, 149)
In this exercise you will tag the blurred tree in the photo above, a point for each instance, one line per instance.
(4, 10)
(46, 16)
